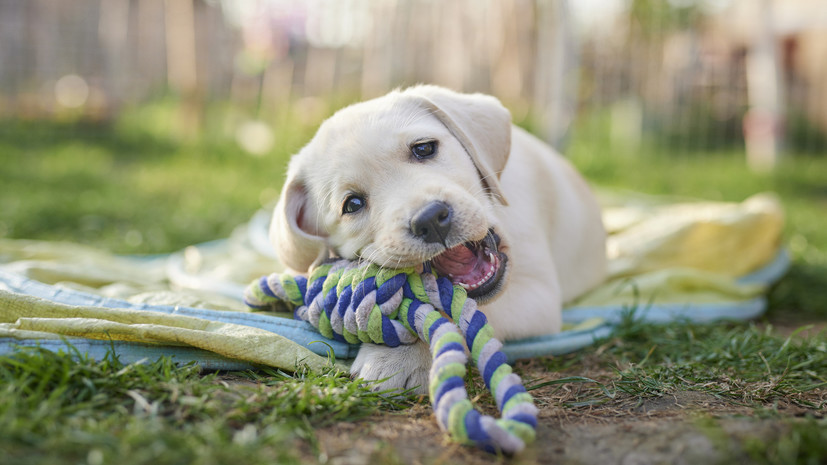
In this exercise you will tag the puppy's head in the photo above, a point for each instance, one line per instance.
(407, 179)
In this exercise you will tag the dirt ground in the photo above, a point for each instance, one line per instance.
(686, 427)
(679, 438)
(682, 428)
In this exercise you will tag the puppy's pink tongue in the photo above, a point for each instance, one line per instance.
(458, 261)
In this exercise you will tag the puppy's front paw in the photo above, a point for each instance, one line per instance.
(402, 367)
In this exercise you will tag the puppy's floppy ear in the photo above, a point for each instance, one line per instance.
(480, 123)
(294, 231)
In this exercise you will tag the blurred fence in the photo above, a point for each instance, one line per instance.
(683, 74)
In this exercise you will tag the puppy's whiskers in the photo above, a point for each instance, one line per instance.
(485, 189)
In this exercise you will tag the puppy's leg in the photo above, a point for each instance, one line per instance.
(405, 366)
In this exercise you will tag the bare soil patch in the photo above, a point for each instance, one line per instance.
(681, 427)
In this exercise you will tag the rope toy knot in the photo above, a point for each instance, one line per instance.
(360, 302)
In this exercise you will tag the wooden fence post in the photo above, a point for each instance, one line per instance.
(764, 122)
(182, 70)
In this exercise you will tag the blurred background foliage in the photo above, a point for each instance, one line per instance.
(682, 72)
(143, 126)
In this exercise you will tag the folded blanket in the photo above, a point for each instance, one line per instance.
(691, 260)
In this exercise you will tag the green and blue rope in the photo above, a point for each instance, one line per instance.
(354, 302)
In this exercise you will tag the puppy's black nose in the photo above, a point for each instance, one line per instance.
(433, 222)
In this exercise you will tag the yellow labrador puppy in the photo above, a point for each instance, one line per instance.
(427, 175)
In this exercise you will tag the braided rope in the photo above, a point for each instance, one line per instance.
(366, 303)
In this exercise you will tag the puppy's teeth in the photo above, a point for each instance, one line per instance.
(465, 286)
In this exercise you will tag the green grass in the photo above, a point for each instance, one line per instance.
(747, 364)
(66, 408)
(134, 187)
(804, 442)
(742, 365)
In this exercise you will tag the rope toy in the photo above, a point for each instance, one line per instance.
(356, 303)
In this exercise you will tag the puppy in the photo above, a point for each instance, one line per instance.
(428, 175)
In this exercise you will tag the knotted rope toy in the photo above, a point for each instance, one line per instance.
(353, 302)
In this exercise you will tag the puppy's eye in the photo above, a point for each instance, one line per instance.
(424, 150)
(353, 203)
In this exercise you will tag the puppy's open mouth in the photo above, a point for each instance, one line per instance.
(479, 267)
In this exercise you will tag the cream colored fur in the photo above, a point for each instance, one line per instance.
(492, 174)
